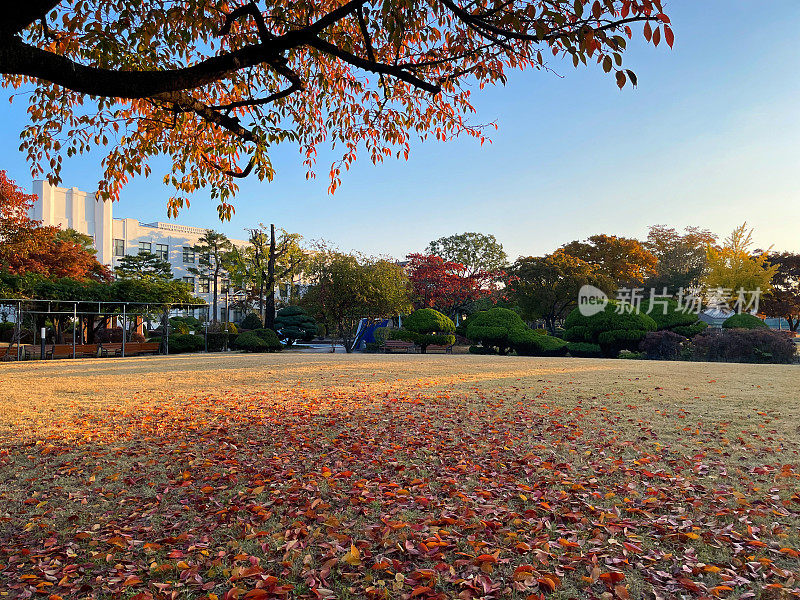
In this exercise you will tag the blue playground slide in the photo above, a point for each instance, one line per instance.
(366, 331)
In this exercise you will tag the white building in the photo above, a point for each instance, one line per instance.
(114, 238)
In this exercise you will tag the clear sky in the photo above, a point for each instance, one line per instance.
(710, 137)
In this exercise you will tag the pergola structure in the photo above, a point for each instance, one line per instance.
(83, 308)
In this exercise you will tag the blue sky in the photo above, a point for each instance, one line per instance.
(710, 137)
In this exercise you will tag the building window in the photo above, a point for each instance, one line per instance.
(205, 285)
(190, 281)
(188, 255)
(119, 247)
(145, 247)
(162, 251)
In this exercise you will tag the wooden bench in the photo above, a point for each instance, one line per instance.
(435, 348)
(392, 345)
(131, 348)
(65, 350)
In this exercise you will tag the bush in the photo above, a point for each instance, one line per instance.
(744, 321)
(744, 345)
(482, 350)
(663, 345)
(250, 342)
(493, 327)
(220, 326)
(267, 341)
(686, 324)
(428, 327)
(611, 330)
(113, 335)
(372, 347)
(217, 341)
(185, 325)
(584, 350)
(528, 342)
(184, 342)
(251, 321)
(293, 323)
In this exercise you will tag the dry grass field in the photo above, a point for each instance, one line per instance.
(401, 476)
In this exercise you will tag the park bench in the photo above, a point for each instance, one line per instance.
(62, 351)
(392, 345)
(436, 348)
(131, 348)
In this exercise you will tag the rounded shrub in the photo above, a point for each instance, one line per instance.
(663, 345)
(250, 342)
(744, 321)
(251, 321)
(528, 342)
(493, 327)
(669, 317)
(584, 350)
(113, 335)
(613, 331)
(269, 337)
(293, 323)
(428, 327)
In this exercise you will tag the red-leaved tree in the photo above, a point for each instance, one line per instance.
(447, 286)
(28, 247)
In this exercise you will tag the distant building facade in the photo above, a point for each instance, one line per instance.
(116, 237)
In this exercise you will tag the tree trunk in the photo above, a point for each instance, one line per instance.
(269, 315)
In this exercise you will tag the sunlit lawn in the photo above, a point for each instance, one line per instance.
(322, 476)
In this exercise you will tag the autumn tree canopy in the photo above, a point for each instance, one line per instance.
(215, 84)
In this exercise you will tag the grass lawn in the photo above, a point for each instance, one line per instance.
(405, 476)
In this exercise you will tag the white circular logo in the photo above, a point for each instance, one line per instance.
(591, 300)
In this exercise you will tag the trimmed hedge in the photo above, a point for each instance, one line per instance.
(258, 340)
(744, 345)
(428, 327)
(611, 330)
(482, 350)
(686, 324)
(184, 342)
(744, 321)
(113, 335)
(493, 327)
(584, 350)
(527, 342)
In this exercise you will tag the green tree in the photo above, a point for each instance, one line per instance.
(293, 323)
(681, 257)
(478, 252)
(144, 265)
(346, 288)
(216, 254)
(428, 327)
(784, 301)
(547, 287)
(733, 267)
(625, 261)
(613, 329)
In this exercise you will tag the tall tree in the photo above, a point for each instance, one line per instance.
(546, 287)
(347, 288)
(623, 260)
(446, 285)
(735, 267)
(144, 265)
(681, 256)
(270, 262)
(784, 301)
(214, 250)
(478, 252)
(216, 85)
